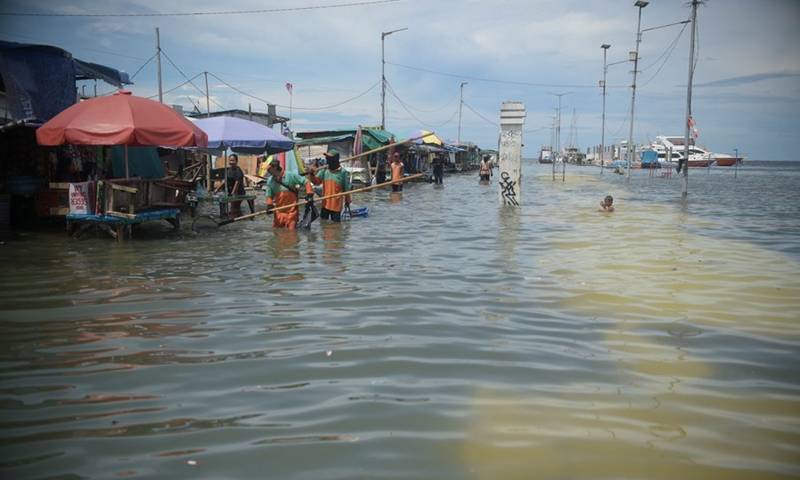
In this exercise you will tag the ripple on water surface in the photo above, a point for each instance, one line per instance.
(440, 337)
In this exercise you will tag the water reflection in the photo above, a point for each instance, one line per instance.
(547, 341)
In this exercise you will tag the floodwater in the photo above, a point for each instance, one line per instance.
(441, 337)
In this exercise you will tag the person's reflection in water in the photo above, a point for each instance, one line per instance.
(333, 239)
(285, 243)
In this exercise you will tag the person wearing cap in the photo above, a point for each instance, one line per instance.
(397, 172)
(333, 180)
(282, 189)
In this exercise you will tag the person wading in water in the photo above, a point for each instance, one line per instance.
(283, 189)
(333, 180)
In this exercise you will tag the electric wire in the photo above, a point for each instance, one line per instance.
(188, 14)
(667, 51)
(190, 81)
(439, 109)
(670, 49)
(480, 115)
(327, 107)
(493, 80)
(143, 65)
(403, 104)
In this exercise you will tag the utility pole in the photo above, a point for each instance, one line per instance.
(605, 48)
(158, 54)
(687, 133)
(552, 144)
(630, 150)
(558, 130)
(208, 100)
(383, 75)
(460, 104)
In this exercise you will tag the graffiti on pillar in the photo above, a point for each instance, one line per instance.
(507, 189)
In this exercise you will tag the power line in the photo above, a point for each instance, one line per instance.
(435, 109)
(668, 51)
(537, 129)
(202, 92)
(403, 104)
(187, 14)
(480, 115)
(177, 87)
(143, 65)
(493, 80)
(189, 80)
(327, 107)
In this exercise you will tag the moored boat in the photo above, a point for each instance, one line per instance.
(670, 151)
(546, 155)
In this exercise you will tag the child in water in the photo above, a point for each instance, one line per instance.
(607, 204)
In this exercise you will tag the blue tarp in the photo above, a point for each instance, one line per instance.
(40, 79)
(649, 157)
(140, 217)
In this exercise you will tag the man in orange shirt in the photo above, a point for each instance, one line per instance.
(397, 172)
(334, 180)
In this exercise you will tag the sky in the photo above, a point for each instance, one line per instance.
(746, 85)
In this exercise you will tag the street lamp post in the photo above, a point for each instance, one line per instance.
(460, 104)
(605, 48)
(630, 150)
(383, 75)
(735, 162)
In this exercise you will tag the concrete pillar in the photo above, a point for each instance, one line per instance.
(512, 117)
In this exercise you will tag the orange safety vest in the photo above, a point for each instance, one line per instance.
(333, 182)
(279, 196)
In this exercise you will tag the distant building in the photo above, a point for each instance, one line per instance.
(269, 119)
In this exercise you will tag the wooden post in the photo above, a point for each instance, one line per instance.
(512, 117)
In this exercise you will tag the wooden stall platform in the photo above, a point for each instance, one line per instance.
(119, 225)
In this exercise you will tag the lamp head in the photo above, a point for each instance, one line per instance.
(641, 3)
(605, 46)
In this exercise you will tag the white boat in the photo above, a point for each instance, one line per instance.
(670, 151)
(546, 155)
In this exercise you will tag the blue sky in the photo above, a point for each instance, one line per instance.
(747, 80)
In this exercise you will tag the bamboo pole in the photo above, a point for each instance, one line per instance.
(386, 147)
(335, 195)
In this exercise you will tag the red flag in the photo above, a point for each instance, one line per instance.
(289, 87)
(693, 130)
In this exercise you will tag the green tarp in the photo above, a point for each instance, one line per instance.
(143, 162)
(371, 138)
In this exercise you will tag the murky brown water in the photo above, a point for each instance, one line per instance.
(441, 337)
